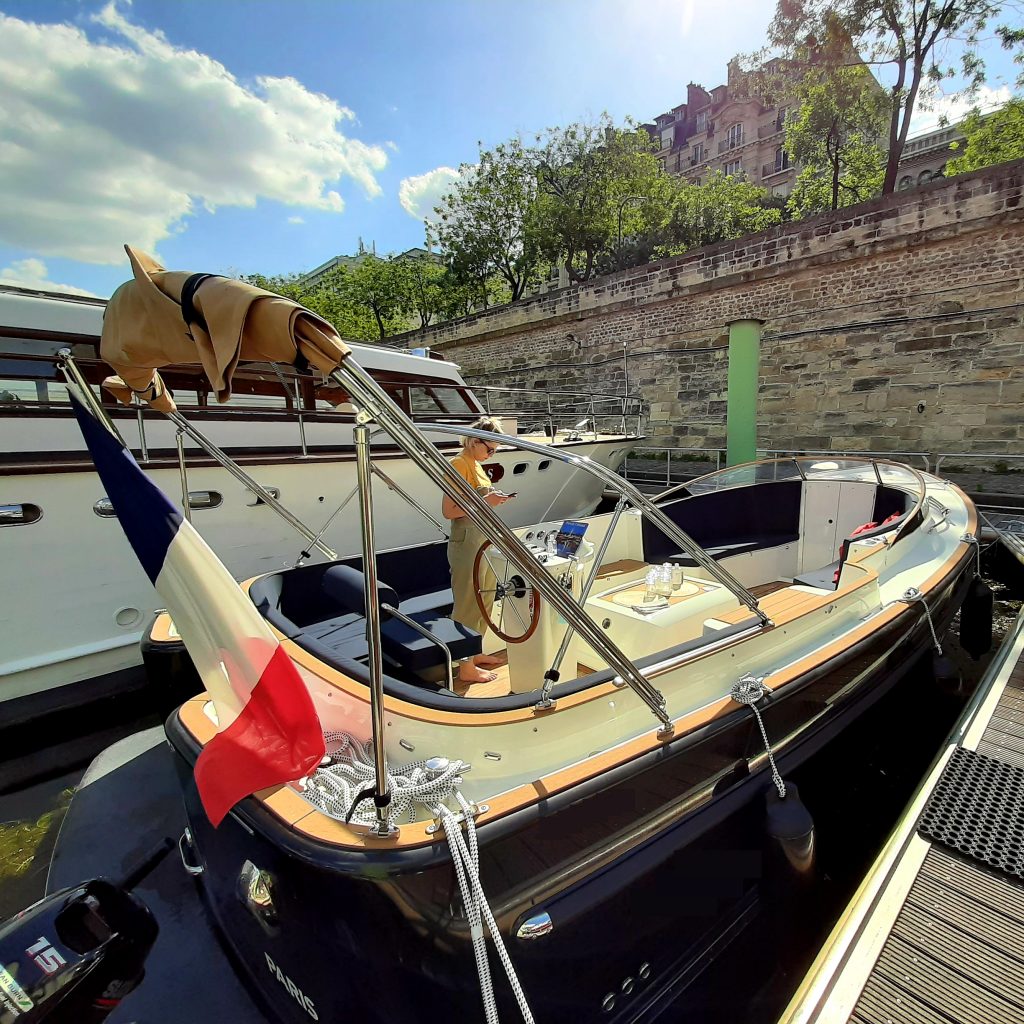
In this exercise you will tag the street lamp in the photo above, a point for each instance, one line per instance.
(627, 199)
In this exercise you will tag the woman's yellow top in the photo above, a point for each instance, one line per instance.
(471, 471)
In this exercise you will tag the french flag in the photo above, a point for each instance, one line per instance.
(269, 732)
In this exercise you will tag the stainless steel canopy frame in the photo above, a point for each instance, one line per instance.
(376, 403)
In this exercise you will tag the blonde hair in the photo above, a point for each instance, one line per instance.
(491, 423)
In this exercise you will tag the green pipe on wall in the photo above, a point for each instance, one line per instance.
(741, 411)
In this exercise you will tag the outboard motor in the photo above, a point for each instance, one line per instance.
(73, 956)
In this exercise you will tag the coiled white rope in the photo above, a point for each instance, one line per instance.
(335, 787)
(338, 788)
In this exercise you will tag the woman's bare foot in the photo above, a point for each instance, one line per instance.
(469, 673)
(487, 661)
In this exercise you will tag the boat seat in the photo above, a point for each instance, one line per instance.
(438, 600)
(404, 645)
(730, 522)
(827, 577)
(725, 550)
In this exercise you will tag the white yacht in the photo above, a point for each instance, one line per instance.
(75, 606)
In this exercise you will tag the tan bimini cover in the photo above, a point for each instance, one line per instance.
(143, 329)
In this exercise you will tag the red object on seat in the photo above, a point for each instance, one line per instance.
(863, 528)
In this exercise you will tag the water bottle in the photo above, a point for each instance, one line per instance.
(651, 583)
(664, 580)
(551, 545)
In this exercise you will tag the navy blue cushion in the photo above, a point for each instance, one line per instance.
(730, 521)
(345, 585)
(413, 651)
(440, 600)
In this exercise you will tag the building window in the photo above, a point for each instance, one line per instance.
(734, 168)
(695, 181)
(780, 117)
(702, 121)
(735, 135)
(698, 154)
(906, 181)
(781, 159)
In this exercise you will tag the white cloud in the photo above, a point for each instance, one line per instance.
(296, 220)
(420, 194)
(103, 143)
(32, 273)
(956, 107)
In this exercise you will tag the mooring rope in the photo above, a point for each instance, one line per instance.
(340, 786)
(911, 596)
(749, 690)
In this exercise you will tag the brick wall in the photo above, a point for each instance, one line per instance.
(868, 312)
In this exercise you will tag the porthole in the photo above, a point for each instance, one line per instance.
(127, 617)
(20, 515)
(255, 499)
(104, 508)
(541, 466)
(520, 468)
(204, 499)
(529, 535)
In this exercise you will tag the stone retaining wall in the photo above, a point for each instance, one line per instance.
(893, 326)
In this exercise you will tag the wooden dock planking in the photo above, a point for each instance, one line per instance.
(955, 953)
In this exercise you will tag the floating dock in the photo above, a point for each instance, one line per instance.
(935, 933)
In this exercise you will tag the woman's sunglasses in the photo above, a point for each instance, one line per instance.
(489, 448)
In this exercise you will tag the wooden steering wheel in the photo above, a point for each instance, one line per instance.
(512, 625)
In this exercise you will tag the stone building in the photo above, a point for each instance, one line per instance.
(924, 156)
(727, 130)
(317, 274)
(730, 131)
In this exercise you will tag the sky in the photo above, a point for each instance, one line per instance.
(267, 136)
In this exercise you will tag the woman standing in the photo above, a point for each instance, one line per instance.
(465, 541)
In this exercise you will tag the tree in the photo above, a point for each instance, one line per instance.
(723, 207)
(917, 39)
(380, 287)
(991, 139)
(425, 283)
(486, 221)
(326, 299)
(833, 135)
(597, 184)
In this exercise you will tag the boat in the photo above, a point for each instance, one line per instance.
(292, 432)
(595, 825)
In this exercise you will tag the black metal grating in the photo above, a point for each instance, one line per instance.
(977, 809)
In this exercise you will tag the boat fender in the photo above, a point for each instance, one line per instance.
(790, 830)
(789, 875)
(976, 620)
(945, 672)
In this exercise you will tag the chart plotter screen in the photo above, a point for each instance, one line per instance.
(568, 538)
